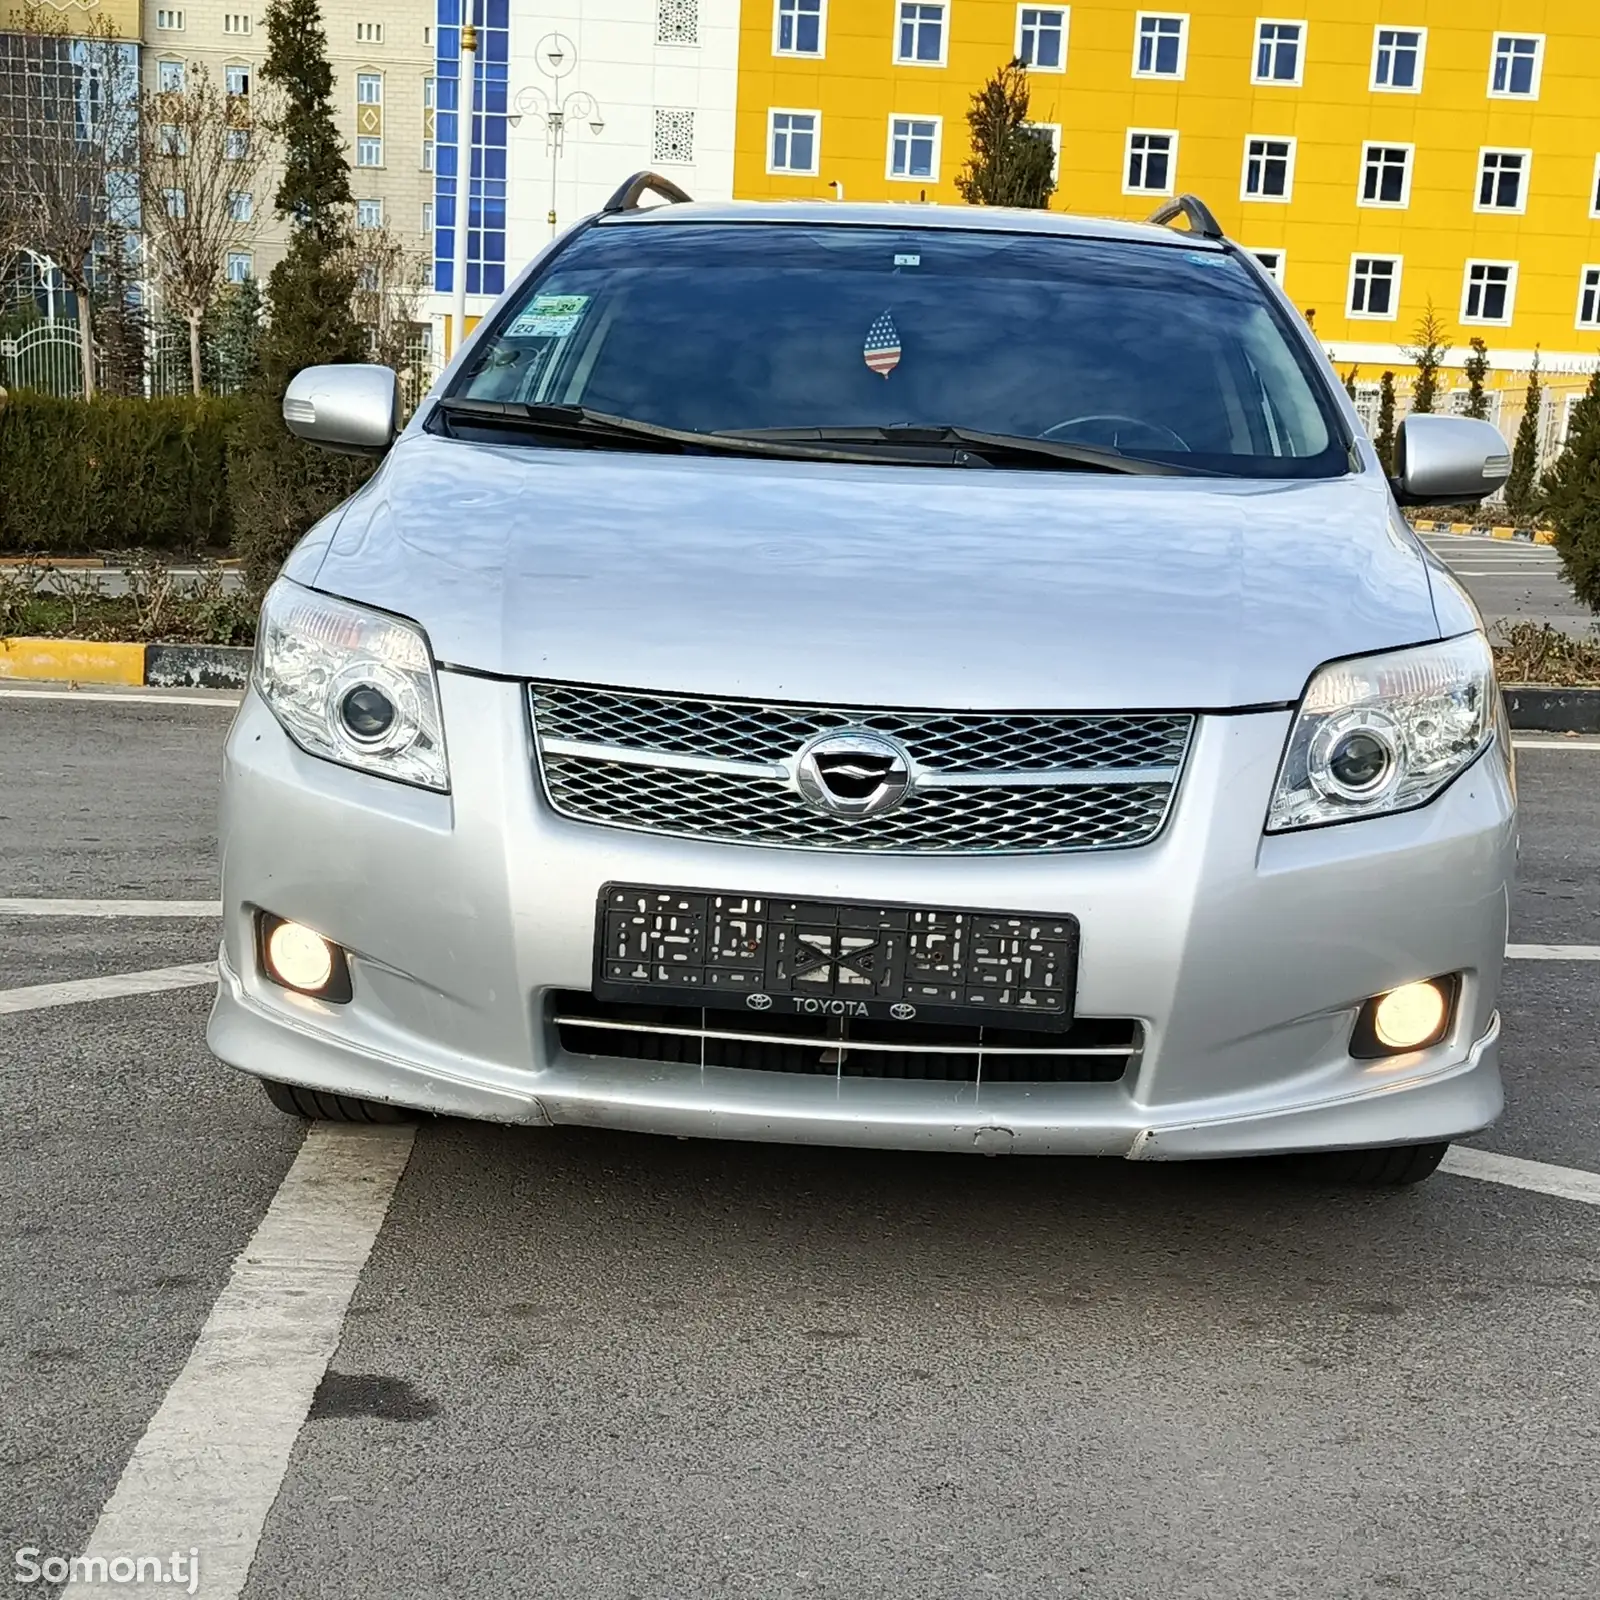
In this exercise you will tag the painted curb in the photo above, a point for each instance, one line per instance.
(158, 666)
(1527, 535)
(73, 660)
(1534, 709)
(197, 666)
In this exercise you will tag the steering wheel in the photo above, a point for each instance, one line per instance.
(1113, 430)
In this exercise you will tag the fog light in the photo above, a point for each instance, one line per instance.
(1411, 1017)
(299, 958)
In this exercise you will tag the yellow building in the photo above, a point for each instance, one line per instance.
(1379, 154)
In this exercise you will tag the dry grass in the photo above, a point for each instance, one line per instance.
(1536, 653)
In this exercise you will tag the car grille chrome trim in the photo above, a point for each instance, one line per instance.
(982, 783)
(1092, 1050)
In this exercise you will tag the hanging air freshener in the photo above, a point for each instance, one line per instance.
(882, 349)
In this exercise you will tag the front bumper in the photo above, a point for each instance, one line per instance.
(1244, 957)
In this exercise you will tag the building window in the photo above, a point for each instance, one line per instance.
(1160, 46)
(1589, 298)
(1386, 174)
(1268, 169)
(797, 27)
(792, 142)
(427, 218)
(236, 146)
(369, 88)
(369, 33)
(1515, 65)
(369, 213)
(177, 203)
(428, 147)
(1042, 37)
(241, 205)
(1279, 52)
(236, 22)
(1502, 180)
(919, 40)
(914, 147)
(169, 77)
(169, 20)
(674, 138)
(1152, 160)
(1375, 287)
(1272, 260)
(677, 22)
(171, 140)
(236, 80)
(1488, 291)
(369, 152)
(1397, 59)
(240, 266)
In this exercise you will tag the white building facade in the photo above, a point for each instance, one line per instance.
(657, 77)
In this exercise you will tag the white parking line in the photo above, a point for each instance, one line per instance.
(1565, 1183)
(110, 908)
(213, 1458)
(220, 699)
(1553, 952)
(41, 996)
(1556, 744)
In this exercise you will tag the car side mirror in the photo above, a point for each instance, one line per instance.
(1445, 460)
(353, 409)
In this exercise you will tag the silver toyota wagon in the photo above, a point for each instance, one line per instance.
(876, 675)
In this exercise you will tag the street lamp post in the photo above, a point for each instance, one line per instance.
(554, 111)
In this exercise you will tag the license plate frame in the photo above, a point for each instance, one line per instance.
(890, 962)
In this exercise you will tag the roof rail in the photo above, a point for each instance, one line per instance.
(640, 184)
(1195, 211)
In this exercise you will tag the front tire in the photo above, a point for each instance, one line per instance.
(294, 1101)
(1391, 1167)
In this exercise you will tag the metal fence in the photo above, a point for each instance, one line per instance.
(48, 358)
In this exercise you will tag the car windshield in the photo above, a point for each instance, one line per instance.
(1173, 353)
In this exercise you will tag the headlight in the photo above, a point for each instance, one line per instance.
(1385, 733)
(352, 685)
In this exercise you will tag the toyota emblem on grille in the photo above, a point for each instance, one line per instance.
(901, 1012)
(758, 1002)
(853, 774)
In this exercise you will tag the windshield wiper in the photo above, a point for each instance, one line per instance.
(989, 446)
(580, 422)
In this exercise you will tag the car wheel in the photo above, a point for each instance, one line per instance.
(1391, 1167)
(297, 1102)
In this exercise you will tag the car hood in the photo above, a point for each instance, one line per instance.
(875, 585)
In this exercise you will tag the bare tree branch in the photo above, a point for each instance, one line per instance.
(203, 155)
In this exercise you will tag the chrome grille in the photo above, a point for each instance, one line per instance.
(1093, 1050)
(985, 782)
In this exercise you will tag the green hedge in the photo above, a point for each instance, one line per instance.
(79, 478)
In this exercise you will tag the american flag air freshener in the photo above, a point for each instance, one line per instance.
(882, 350)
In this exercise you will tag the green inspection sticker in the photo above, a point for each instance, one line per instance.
(549, 316)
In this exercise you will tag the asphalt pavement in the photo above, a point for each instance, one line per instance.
(1513, 580)
(593, 1365)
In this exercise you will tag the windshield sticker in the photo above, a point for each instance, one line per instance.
(882, 349)
(908, 261)
(1205, 260)
(549, 316)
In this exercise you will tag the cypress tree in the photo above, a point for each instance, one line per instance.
(1384, 443)
(1427, 357)
(1521, 499)
(310, 289)
(1476, 368)
(1572, 498)
(282, 486)
(1012, 164)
